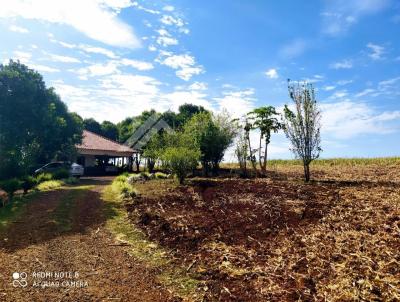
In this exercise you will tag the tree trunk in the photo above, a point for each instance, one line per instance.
(307, 172)
(252, 160)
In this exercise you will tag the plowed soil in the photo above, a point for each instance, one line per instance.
(280, 239)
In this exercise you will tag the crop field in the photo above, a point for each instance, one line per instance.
(279, 239)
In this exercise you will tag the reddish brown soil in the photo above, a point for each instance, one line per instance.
(275, 240)
(35, 243)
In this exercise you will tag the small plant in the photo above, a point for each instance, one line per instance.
(71, 180)
(160, 175)
(145, 175)
(127, 191)
(42, 177)
(28, 183)
(181, 161)
(134, 178)
(121, 178)
(10, 186)
(60, 174)
(49, 185)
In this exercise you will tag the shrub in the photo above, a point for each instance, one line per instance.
(28, 182)
(10, 186)
(71, 180)
(42, 177)
(49, 185)
(160, 175)
(145, 175)
(127, 191)
(60, 174)
(121, 178)
(134, 178)
(181, 160)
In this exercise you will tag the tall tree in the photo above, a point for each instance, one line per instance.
(302, 127)
(265, 119)
(213, 135)
(35, 124)
(92, 125)
(109, 130)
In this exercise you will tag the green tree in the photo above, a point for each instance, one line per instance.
(213, 135)
(181, 160)
(92, 125)
(265, 119)
(109, 130)
(35, 124)
(302, 127)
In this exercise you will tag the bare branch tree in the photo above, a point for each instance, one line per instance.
(302, 127)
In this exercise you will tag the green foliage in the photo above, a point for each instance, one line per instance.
(181, 160)
(10, 186)
(28, 183)
(35, 124)
(213, 135)
(121, 178)
(109, 130)
(92, 125)
(49, 185)
(123, 188)
(60, 174)
(265, 119)
(43, 177)
(160, 175)
(71, 180)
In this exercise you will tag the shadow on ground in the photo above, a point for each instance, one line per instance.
(66, 211)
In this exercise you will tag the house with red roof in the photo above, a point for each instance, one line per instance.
(99, 155)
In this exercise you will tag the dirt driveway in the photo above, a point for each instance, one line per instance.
(62, 245)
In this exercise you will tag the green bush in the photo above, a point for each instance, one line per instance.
(42, 177)
(60, 174)
(49, 185)
(181, 160)
(28, 182)
(71, 180)
(145, 175)
(160, 175)
(10, 186)
(121, 178)
(127, 191)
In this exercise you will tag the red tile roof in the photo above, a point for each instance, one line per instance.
(93, 141)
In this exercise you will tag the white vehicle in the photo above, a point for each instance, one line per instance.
(74, 169)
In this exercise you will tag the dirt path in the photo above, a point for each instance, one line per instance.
(63, 231)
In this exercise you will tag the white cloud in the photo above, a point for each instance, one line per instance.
(345, 64)
(328, 88)
(377, 51)
(63, 59)
(98, 69)
(139, 65)
(347, 119)
(86, 48)
(237, 103)
(272, 73)
(18, 29)
(365, 92)
(97, 19)
(339, 15)
(168, 8)
(166, 41)
(293, 49)
(170, 20)
(198, 86)
(185, 65)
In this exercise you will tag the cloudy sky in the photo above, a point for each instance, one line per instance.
(110, 59)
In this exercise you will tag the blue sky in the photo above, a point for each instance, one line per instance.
(110, 59)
